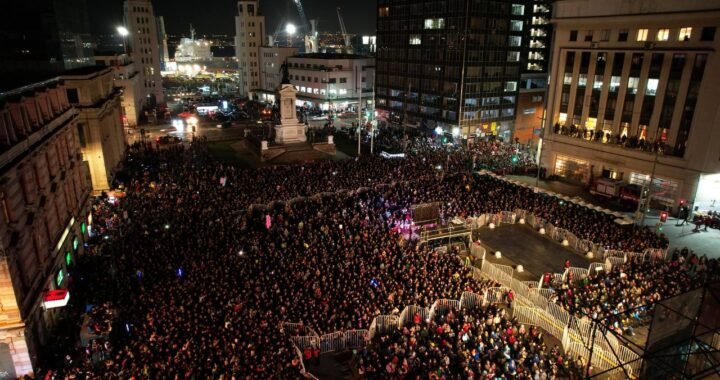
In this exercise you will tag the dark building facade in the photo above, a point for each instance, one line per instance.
(42, 37)
(452, 64)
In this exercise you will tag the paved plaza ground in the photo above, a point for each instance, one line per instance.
(520, 244)
(703, 242)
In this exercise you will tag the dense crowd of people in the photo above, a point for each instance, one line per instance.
(623, 297)
(208, 261)
(483, 343)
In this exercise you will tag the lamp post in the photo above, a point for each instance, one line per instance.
(123, 32)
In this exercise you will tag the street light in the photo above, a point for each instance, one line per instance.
(123, 32)
(290, 29)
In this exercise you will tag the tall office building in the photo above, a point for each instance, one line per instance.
(145, 48)
(451, 64)
(249, 36)
(537, 35)
(636, 95)
(42, 37)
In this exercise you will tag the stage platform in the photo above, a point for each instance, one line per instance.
(522, 245)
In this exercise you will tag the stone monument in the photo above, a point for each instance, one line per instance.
(290, 130)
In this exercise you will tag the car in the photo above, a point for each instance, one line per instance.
(168, 139)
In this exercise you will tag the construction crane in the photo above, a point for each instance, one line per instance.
(303, 18)
(344, 31)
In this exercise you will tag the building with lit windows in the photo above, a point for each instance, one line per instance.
(144, 48)
(451, 64)
(249, 37)
(44, 189)
(332, 81)
(636, 96)
(271, 61)
(534, 73)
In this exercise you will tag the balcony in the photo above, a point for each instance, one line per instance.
(595, 138)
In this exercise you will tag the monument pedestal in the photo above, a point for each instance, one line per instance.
(290, 134)
(290, 130)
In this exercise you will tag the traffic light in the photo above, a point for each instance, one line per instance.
(514, 159)
(663, 216)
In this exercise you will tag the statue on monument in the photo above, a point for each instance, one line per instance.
(285, 70)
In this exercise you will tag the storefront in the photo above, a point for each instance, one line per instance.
(572, 169)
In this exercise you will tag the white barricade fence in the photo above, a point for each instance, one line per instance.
(306, 341)
(497, 272)
(470, 300)
(595, 268)
(507, 217)
(443, 305)
(631, 360)
(332, 342)
(356, 338)
(496, 219)
(530, 284)
(385, 323)
(521, 214)
(526, 315)
(373, 329)
(577, 274)
(548, 294)
(550, 230)
(571, 238)
(635, 256)
(408, 314)
(616, 261)
(613, 253)
(584, 245)
(655, 254)
(496, 295)
(293, 329)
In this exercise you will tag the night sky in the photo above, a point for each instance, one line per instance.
(218, 16)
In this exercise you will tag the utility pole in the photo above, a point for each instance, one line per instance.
(359, 130)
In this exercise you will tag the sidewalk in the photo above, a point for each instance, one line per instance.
(703, 243)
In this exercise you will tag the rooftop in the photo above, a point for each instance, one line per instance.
(331, 56)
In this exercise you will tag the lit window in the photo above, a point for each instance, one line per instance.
(516, 26)
(415, 39)
(514, 40)
(633, 84)
(529, 111)
(434, 23)
(510, 86)
(562, 117)
(685, 34)
(342, 91)
(642, 34)
(513, 56)
(518, 9)
(651, 88)
(663, 34)
(582, 80)
(614, 83)
(568, 78)
(597, 84)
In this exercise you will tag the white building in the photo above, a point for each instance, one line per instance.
(271, 60)
(332, 81)
(126, 77)
(249, 36)
(144, 46)
(635, 88)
